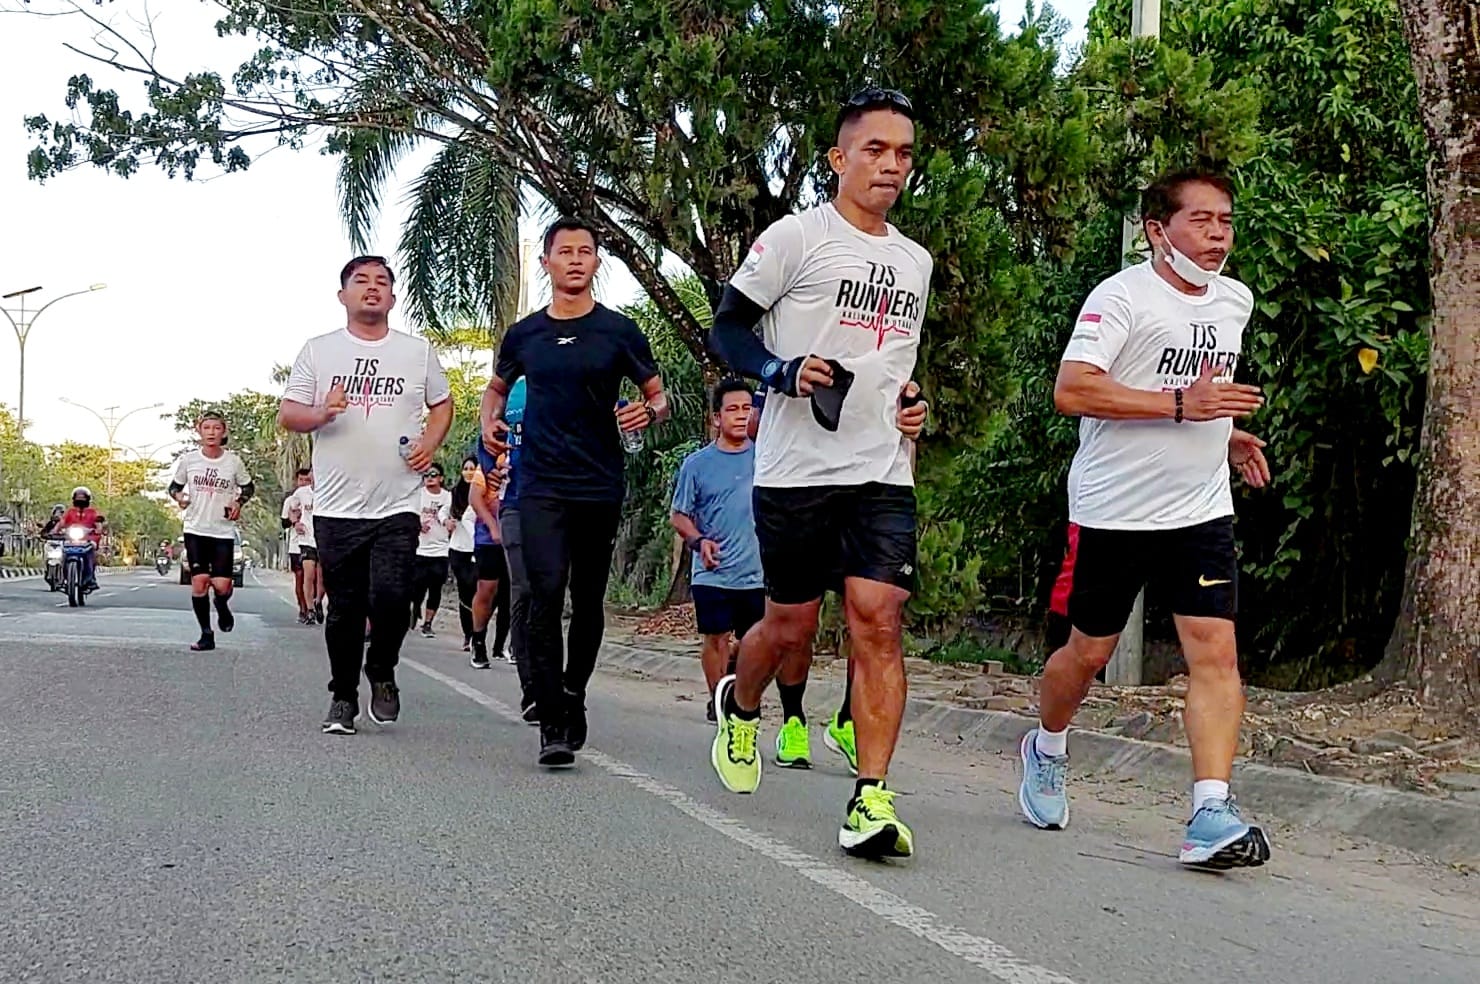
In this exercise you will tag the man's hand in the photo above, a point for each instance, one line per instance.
(450, 526)
(300, 529)
(426, 526)
(1209, 400)
(1246, 454)
(801, 376)
(633, 417)
(709, 554)
(495, 438)
(234, 511)
(419, 459)
(334, 404)
(911, 419)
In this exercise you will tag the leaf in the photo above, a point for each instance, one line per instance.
(1367, 359)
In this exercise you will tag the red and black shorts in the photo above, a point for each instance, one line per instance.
(1194, 569)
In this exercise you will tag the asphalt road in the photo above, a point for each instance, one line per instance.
(175, 817)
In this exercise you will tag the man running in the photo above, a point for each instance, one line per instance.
(574, 355)
(712, 513)
(841, 296)
(302, 553)
(488, 554)
(211, 484)
(437, 525)
(1149, 370)
(363, 391)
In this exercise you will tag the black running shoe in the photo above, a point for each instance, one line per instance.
(426, 631)
(575, 721)
(225, 621)
(341, 719)
(205, 643)
(318, 612)
(555, 752)
(385, 702)
(479, 660)
(529, 711)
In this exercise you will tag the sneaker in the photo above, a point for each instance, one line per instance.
(529, 712)
(341, 719)
(872, 829)
(480, 656)
(575, 721)
(555, 752)
(426, 631)
(1041, 793)
(385, 702)
(793, 748)
(467, 644)
(733, 753)
(839, 738)
(225, 621)
(205, 643)
(509, 656)
(304, 618)
(1217, 838)
(318, 612)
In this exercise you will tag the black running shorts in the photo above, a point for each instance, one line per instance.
(210, 554)
(492, 565)
(721, 610)
(811, 539)
(1195, 569)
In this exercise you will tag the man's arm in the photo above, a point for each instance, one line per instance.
(439, 422)
(1085, 390)
(684, 526)
(491, 415)
(483, 507)
(654, 396)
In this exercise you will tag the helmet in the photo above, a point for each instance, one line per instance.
(82, 490)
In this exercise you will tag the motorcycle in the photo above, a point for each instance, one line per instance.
(54, 563)
(75, 551)
(162, 565)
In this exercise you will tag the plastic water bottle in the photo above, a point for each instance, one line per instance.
(405, 451)
(631, 440)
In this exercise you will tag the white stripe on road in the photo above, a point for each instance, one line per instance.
(996, 959)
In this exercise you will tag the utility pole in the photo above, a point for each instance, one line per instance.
(1128, 661)
(22, 326)
(111, 423)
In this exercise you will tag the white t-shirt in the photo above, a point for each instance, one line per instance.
(462, 537)
(303, 498)
(837, 292)
(293, 545)
(1146, 334)
(213, 484)
(358, 469)
(436, 510)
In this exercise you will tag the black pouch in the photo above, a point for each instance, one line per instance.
(827, 401)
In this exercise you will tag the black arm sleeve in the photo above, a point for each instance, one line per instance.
(176, 488)
(247, 492)
(287, 524)
(733, 336)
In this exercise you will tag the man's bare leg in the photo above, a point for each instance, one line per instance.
(715, 657)
(782, 637)
(875, 611)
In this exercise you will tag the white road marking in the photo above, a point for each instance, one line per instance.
(136, 587)
(996, 959)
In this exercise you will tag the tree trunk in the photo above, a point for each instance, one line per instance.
(1436, 643)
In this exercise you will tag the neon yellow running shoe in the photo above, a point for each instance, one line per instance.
(839, 737)
(733, 753)
(793, 747)
(872, 829)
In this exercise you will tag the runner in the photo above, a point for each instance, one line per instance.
(460, 549)
(437, 525)
(488, 556)
(211, 484)
(301, 514)
(1149, 370)
(574, 355)
(363, 390)
(293, 525)
(841, 297)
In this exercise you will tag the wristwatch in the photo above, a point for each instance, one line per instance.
(694, 542)
(652, 414)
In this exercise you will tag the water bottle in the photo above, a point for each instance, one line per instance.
(405, 451)
(631, 440)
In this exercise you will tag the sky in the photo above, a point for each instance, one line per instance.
(209, 283)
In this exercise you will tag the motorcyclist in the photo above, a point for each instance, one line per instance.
(83, 514)
(51, 526)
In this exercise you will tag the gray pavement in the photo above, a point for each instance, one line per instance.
(170, 816)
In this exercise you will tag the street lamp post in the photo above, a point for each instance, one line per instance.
(111, 423)
(22, 326)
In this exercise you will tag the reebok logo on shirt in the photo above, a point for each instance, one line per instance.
(565, 340)
(365, 387)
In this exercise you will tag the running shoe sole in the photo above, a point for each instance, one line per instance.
(477, 664)
(877, 846)
(381, 721)
(800, 763)
(1023, 792)
(335, 728)
(830, 742)
(1249, 849)
(557, 758)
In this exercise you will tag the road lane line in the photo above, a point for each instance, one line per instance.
(996, 959)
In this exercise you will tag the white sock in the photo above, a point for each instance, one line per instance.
(1055, 743)
(1208, 789)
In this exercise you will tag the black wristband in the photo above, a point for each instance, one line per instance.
(1178, 394)
(693, 543)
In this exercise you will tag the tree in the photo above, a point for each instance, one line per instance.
(1436, 645)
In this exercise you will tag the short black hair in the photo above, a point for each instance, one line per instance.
(731, 384)
(868, 100)
(304, 471)
(570, 223)
(364, 261)
(1163, 197)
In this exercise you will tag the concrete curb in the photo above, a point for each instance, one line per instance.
(9, 573)
(1445, 829)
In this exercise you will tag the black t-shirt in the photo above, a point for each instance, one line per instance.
(573, 369)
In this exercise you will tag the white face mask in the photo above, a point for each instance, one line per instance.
(1185, 268)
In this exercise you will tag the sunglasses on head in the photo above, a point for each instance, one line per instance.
(874, 96)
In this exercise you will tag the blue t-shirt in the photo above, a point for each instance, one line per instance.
(714, 490)
(514, 417)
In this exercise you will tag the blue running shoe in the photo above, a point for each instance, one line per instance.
(1218, 839)
(1041, 794)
